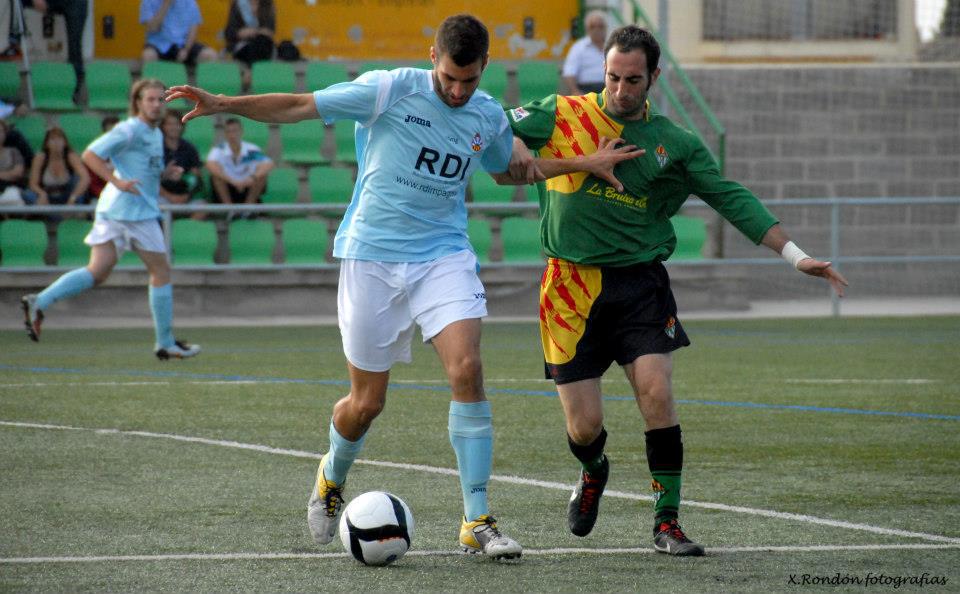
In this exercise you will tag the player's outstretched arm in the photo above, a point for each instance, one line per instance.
(777, 240)
(600, 163)
(273, 108)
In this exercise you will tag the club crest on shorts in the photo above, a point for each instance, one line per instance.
(662, 157)
(477, 143)
(671, 328)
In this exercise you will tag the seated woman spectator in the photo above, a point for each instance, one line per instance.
(250, 30)
(57, 175)
(180, 181)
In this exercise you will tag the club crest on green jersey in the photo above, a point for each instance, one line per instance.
(662, 157)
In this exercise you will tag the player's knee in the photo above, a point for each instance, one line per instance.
(466, 371)
(366, 411)
(585, 428)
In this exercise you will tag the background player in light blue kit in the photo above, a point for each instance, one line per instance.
(127, 218)
(405, 255)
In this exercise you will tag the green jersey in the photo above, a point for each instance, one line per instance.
(586, 220)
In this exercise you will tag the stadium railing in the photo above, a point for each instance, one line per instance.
(889, 255)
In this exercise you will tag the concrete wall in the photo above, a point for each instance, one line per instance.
(848, 131)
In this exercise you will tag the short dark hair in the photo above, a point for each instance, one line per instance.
(464, 38)
(631, 37)
(229, 121)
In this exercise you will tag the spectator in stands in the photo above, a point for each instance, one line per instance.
(75, 16)
(57, 175)
(250, 30)
(96, 182)
(11, 170)
(583, 68)
(180, 181)
(172, 32)
(15, 139)
(238, 169)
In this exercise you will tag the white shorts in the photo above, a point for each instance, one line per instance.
(146, 235)
(379, 302)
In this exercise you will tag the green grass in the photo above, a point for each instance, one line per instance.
(757, 435)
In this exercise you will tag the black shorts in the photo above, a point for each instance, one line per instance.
(591, 316)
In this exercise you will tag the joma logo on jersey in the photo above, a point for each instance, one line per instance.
(416, 120)
(452, 166)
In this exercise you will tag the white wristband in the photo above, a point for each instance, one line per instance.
(791, 253)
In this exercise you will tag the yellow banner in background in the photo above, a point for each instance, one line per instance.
(366, 29)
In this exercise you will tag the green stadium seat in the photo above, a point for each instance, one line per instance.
(130, 259)
(368, 66)
(487, 190)
(171, 74)
(343, 134)
(194, 242)
(22, 243)
(53, 84)
(273, 77)
(691, 234)
(202, 134)
(301, 142)
(80, 128)
(478, 230)
(537, 79)
(283, 186)
(33, 128)
(494, 81)
(321, 75)
(10, 81)
(423, 65)
(256, 132)
(531, 193)
(305, 241)
(521, 240)
(219, 77)
(108, 85)
(330, 185)
(251, 242)
(71, 251)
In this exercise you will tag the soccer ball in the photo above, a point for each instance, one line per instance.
(376, 528)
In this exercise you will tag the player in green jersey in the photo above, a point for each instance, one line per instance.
(605, 294)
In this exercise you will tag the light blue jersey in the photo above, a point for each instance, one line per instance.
(415, 157)
(136, 151)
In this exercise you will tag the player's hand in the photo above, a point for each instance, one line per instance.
(815, 267)
(607, 156)
(172, 172)
(523, 167)
(205, 102)
(128, 185)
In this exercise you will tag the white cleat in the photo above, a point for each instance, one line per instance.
(482, 536)
(324, 507)
(179, 350)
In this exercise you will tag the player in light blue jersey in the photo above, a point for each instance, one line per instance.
(406, 259)
(127, 218)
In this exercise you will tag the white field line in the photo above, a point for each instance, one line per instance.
(904, 381)
(415, 553)
(515, 480)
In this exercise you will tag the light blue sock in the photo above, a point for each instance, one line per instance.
(342, 454)
(161, 306)
(69, 284)
(471, 435)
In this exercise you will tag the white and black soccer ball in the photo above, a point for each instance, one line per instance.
(376, 528)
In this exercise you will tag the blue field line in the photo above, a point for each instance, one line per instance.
(441, 388)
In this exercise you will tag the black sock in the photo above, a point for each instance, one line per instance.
(665, 459)
(590, 455)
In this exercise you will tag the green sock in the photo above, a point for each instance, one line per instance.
(666, 495)
(665, 460)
